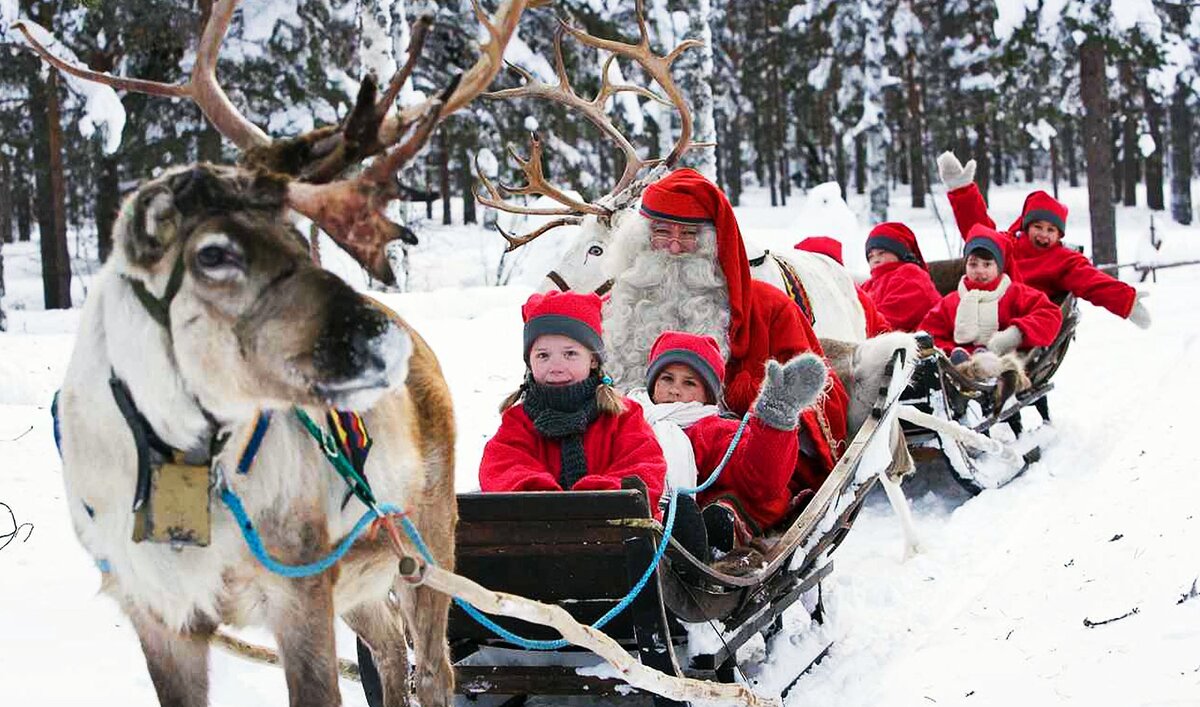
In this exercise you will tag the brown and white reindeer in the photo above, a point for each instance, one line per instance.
(589, 263)
(209, 311)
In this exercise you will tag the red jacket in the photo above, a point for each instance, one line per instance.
(1021, 306)
(1055, 270)
(519, 458)
(876, 323)
(903, 293)
(759, 471)
(778, 331)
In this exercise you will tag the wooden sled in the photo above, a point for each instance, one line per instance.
(939, 389)
(585, 550)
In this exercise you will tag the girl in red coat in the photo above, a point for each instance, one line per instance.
(900, 284)
(565, 428)
(990, 310)
(759, 482)
(1042, 261)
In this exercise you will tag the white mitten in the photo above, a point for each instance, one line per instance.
(955, 174)
(1005, 341)
(1139, 315)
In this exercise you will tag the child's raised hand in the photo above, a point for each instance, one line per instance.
(1139, 315)
(788, 389)
(955, 174)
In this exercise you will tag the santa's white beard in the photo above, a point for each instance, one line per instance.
(656, 291)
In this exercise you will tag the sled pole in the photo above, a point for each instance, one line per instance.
(628, 668)
(968, 437)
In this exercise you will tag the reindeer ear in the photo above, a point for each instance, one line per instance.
(152, 224)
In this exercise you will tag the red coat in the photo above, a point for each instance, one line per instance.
(876, 323)
(777, 330)
(759, 472)
(1021, 306)
(1055, 270)
(519, 458)
(903, 293)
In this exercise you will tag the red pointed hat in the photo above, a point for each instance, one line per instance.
(687, 196)
(1040, 206)
(998, 244)
(700, 353)
(824, 245)
(570, 314)
(897, 238)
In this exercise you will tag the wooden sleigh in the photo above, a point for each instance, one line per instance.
(986, 408)
(585, 550)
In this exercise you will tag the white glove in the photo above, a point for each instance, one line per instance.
(1005, 341)
(1139, 315)
(955, 174)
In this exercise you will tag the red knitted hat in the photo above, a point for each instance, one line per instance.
(897, 238)
(981, 237)
(824, 245)
(700, 353)
(687, 196)
(1040, 206)
(569, 314)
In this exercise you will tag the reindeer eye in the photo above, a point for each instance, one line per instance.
(213, 256)
(595, 251)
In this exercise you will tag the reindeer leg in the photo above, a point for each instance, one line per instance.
(902, 465)
(379, 625)
(178, 662)
(426, 612)
(303, 628)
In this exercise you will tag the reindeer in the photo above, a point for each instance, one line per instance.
(826, 286)
(209, 312)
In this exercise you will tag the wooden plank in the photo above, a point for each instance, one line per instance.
(463, 628)
(526, 532)
(539, 680)
(551, 505)
(649, 617)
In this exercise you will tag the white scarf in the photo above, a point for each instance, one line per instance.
(978, 315)
(669, 420)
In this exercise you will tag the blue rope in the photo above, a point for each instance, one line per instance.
(254, 542)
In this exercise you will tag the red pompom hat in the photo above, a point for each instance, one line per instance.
(897, 238)
(829, 247)
(570, 314)
(686, 196)
(1040, 206)
(981, 237)
(700, 353)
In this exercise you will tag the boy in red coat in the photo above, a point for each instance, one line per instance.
(755, 490)
(831, 248)
(565, 428)
(990, 310)
(900, 284)
(1042, 261)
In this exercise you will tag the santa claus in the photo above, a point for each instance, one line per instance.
(680, 264)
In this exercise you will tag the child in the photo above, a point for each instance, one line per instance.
(565, 428)
(683, 390)
(1041, 259)
(832, 249)
(990, 310)
(900, 284)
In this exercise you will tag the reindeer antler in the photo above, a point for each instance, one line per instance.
(350, 210)
(627, 187)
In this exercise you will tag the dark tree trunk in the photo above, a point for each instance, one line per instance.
(860, 165)
(999, 175)
(1181, 156)
(22, 206)
(466, 182)
(1054, 166)
(1114, 149)
(1154, 162)
(108, 203)
(902, 171)
(1029, 165)
(839, 166)
(6, 201)
(1097, 150)
(51, 190)
(444, 177)
(759, 148)
(982, 151)
(1130, 165)
(1068, 146)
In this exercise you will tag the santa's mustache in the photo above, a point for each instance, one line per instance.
(691, 270)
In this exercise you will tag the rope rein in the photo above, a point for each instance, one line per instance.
(384, 514)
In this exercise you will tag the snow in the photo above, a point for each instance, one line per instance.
(991, 612)
(1146, 144)
(1009, 15)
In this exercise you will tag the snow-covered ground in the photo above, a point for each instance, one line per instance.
(991, 612)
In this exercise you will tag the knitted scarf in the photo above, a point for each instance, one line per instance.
(563, 412)
(978, 315)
